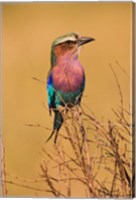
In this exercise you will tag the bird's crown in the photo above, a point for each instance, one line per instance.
(68, 37)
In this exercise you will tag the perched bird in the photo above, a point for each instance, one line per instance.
(66, 78)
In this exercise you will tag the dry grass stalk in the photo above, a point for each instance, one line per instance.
(2, 163)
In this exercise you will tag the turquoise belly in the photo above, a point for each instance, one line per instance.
(70, 98)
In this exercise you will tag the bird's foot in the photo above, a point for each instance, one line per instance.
(61, 109)
(64, 111)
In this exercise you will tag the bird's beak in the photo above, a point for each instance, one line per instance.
(84, 40)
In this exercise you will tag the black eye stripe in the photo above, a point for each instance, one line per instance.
(70, 42)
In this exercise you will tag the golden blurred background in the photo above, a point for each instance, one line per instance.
(28, 30)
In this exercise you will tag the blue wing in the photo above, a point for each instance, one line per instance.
(51, 93)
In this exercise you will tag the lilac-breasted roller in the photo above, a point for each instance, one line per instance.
(66, 78)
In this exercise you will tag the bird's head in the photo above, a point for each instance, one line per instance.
(67, 45)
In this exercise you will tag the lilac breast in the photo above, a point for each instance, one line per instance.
(69, 77)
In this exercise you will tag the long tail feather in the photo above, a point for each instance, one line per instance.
(56, 136)
(52, 133)
(58, 120)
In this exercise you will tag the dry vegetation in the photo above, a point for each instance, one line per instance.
(105, 171)
(99, 159)
(91, 156)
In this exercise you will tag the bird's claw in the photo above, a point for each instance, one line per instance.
(61, 108)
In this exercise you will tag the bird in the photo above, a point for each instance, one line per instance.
(66, 77)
